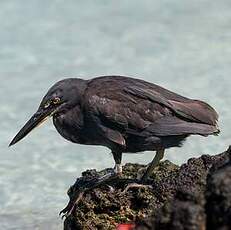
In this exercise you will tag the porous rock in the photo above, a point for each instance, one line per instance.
(178, 198)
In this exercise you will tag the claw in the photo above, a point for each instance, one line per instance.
(140, 173)
(67, 211)
(135, 185)
(111, 188)
(79, 192)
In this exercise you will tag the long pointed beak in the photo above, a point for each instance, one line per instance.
(38, 118)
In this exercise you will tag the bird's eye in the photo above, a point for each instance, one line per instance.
(47, 105)
(56, 100)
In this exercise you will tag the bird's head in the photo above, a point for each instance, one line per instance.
(60, 98)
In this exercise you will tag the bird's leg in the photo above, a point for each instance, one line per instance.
(118, 169)
(118, 158)
(141, 184)
(156, 160)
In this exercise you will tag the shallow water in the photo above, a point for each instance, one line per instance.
(182, 45)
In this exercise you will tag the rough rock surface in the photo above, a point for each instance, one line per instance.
(196, 195)
(218, 198)
(204, 205)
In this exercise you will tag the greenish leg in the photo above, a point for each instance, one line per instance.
(156, 160)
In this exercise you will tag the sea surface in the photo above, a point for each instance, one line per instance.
(182, 45)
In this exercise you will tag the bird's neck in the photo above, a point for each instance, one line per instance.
(81, 85)
(70, 124)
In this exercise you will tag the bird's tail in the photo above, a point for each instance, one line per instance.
(197, 111)
(173, 126)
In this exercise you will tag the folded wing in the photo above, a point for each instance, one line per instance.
(132, 106)
(193, 110)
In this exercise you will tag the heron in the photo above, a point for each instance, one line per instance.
(125, 114)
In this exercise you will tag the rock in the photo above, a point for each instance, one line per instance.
(185, 211)
(218, 198)
(178, 198)
(198, 206)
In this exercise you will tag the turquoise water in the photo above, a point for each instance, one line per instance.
(182, 45)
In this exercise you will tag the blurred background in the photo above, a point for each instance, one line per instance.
(184, 46)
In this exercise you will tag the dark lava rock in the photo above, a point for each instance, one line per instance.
(176, 200)
(218, 198)
(202, 201)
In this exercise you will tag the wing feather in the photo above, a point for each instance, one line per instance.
(193, 110)
(132, 105)
(170, 126)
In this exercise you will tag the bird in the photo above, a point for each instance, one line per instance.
(124, 114)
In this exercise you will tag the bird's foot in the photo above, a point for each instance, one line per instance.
(141, 173)
(136, 185)
(76, 194)
(140, 181)
(67, 211)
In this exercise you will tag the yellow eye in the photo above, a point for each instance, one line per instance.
(56, 100)
(47, 105)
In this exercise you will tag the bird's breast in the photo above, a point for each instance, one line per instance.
(70, 126)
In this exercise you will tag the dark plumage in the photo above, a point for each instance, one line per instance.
(122, 113)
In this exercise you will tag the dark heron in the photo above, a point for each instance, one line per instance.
(126, 115)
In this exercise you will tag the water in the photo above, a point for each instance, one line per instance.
(182, 45)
